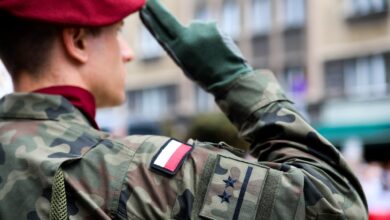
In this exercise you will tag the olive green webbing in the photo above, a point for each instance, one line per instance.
(203, 184)
(58, 207)
(268, 195)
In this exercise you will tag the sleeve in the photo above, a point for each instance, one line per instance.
(281, 139)
(296, 174)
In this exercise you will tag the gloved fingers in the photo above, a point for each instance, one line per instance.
(159, 33)
(161, 19)
(229, 42)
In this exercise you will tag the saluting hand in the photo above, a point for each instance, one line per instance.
(204, 54)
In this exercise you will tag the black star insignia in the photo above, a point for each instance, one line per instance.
(230, 182)
(225, 197)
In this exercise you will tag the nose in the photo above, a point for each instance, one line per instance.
(126, 52)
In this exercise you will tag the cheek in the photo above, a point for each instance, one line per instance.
(117, 73)
(119, 79)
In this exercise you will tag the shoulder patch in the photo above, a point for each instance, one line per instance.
(170, 157)
(234, 190)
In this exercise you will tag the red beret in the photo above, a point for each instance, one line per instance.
(72, 12)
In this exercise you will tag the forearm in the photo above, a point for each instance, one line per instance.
(258, 107)
(247, 95)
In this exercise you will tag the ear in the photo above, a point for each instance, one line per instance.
(75, 43)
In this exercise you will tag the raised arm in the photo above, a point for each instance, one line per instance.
(254, 102)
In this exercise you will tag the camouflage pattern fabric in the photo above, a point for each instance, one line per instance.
(293, 172)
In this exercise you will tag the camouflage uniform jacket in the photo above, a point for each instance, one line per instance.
(297, 174)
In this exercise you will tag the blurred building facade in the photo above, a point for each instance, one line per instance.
(348, 67)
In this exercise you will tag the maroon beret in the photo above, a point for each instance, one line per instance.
(72, 12)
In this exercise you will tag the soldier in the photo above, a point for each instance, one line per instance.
(55, 163)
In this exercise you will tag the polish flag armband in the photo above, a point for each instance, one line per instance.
(171, 156)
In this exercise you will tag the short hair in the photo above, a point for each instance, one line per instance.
(25, 45)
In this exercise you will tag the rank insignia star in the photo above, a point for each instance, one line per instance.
(230, 182)
(225, 196)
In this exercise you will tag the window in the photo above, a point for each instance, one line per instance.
(112, 119)
(294, 13)
(294, 41)
(362, 77)
(261, 16)
(365, 8)
(261, 51)
(230, 20)
(149, 47)
(334, 78)
(365, 76)
(152, 104)
(204, 101)
(295, 83)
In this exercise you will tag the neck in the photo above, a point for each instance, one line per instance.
(26, 82)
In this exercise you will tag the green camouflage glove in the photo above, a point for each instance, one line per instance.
(201, 51)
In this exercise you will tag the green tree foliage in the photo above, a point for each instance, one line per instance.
(215, 127)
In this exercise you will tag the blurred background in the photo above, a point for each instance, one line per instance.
(332, 57)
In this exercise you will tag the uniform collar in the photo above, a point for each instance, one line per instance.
(38, 106)
(82, 99)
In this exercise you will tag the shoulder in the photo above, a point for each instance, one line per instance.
(179, 180)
